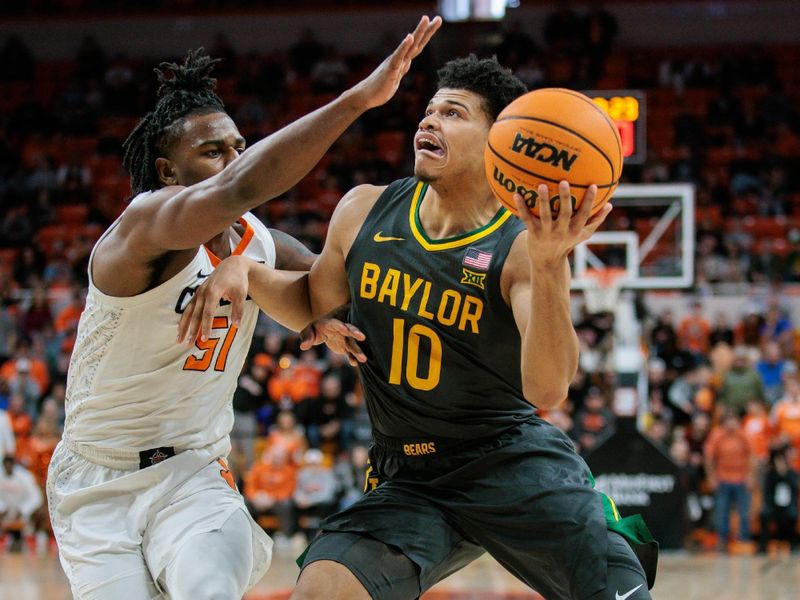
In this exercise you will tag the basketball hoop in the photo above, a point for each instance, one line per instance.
(602, 293)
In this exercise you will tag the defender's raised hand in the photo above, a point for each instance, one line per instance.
(551, 239)
(383, 82)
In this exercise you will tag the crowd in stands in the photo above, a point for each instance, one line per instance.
(724, 396)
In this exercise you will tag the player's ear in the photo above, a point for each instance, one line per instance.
(166, 171)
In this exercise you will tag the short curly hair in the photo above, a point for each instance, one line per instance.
(487, 78)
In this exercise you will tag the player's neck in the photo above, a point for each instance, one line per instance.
(220, 244)
(449, 209)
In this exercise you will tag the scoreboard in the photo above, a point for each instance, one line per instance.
(627, 108)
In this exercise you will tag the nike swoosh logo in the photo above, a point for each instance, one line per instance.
(623, 596)
(379, 237)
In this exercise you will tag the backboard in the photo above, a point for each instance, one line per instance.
(650, 233)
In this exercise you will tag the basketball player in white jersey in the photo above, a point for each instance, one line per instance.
(141, 500)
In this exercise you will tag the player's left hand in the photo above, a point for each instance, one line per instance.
(339, 336)
(380, 85)
(229, 281)
(551, 238)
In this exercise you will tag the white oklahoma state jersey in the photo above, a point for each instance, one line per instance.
(131, 386)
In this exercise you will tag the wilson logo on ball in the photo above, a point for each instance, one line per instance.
(543, 152)
(529, 196)
(511, 186)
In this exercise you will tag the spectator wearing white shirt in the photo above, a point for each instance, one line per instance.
(20, 497)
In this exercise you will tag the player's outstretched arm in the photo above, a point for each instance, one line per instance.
(182, 218)
(539, 293)
(283, 295)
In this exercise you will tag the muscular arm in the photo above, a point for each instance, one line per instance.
(328, 285)
(293, 298)
(539, 299)
(537, 280)
(177, 218)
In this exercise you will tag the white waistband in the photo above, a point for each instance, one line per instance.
(128, 460)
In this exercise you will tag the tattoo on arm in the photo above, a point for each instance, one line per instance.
(291, 254)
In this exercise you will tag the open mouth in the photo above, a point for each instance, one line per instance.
(426, 142)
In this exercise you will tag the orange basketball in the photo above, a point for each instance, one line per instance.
(551, 135)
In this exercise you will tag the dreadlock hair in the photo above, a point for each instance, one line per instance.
(189, 92)
(496, 85)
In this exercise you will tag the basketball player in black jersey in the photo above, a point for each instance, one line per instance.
(466, 313)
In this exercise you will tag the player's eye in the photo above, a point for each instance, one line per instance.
(452, 113)
(213, 154)
(240, 149)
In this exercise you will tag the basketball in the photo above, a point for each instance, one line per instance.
(547, 136)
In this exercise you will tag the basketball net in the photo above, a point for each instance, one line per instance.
(603, 293)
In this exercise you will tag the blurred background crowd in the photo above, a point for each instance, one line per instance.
(724, 397)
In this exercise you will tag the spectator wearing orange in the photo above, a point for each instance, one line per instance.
(269, 486)
(37, 368)
(293, 381)
(786, 416)
(39, 449)
(758, 430)
(66, 322)
(288, 436)
(730, 473)
(694, 331)
(21, 423)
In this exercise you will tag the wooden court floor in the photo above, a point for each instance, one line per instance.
(682, 576)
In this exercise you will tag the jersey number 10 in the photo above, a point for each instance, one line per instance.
(411, 352)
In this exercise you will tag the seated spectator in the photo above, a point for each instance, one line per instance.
(740, 384)
(73, 179)
(293, 381)
(250, 396)
(66, 322)
(287, 435)
(268, 489)
(8, 445)
(694, 331)
(20, 497)
(594, 422)
(326, 418)
(759, 432)
(770, 369)
(22, 384)
(777, 328)
(315, 493)
(659, 433)
(690, 477)
(785, 417)
(37, 317)
(780, 497)
(21, 422)
(351, 475)
(37, 367)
